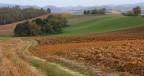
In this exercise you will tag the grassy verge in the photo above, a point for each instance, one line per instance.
(5, 36)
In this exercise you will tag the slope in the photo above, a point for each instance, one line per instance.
(103, 24)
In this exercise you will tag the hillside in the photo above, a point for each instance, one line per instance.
(88, 24)
(99, 24)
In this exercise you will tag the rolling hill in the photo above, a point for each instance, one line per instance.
(102, 24)
(79, 9)
(88, 24)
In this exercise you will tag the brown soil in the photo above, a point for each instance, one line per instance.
(118, 51)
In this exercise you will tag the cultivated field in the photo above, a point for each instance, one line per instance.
(111, 45)
(118, 53)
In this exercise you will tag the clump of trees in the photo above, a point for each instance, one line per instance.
(95, 11)
(53, 24)
(13, 14)
(136, 11)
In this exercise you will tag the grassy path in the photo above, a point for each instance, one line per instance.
(51, 69)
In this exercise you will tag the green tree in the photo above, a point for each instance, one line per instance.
(48, 10)
(33, 29)
(13, 14)
(27, 29)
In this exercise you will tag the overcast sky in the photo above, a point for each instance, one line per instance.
(61, 3)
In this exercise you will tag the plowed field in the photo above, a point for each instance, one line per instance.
(118, 51)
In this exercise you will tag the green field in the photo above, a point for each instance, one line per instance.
(95, 24)
(75, 19)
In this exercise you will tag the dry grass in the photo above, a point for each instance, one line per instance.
(11, 64)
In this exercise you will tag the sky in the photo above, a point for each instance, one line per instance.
(63, 3)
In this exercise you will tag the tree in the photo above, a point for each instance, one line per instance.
(48, 10)
(33, 29)
(103, 11)
(13, 14)
(137, 10)
(85, 12)
(27, 29)
(53, 24)
(95, 11)
(130, 13)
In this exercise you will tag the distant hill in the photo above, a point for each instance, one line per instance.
(110, 8)
(53, 8)
(79, 9)
(123, 8)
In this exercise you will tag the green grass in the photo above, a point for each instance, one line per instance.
(5, 36)
(75, 19)
(78, 68)
(48, 68)
(96, 24)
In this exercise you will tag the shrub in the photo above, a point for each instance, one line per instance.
(27, 29)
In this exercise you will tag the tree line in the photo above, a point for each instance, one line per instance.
(13, 14)
(53, 24)
(101, 11)
(136, 11)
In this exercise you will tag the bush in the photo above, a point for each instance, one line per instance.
(53, 24)
(27, 29)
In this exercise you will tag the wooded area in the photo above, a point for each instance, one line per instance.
(13, 14)
(95, 11)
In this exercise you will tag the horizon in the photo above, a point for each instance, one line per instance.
(62, 3)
